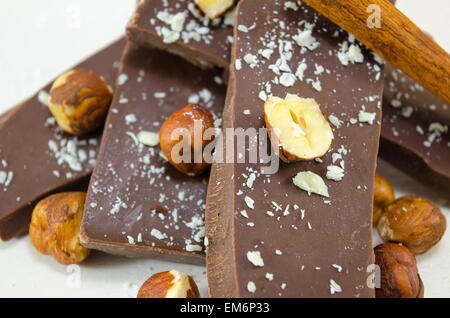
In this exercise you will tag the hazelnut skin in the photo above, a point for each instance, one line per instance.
(399, 275)
(55, 227)
(178, 133)
(171, 284)
(415, 222)
(383, 196)
(79, 101)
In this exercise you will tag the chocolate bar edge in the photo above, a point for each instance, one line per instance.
(17, 222)
(146, 39)
(136, 251)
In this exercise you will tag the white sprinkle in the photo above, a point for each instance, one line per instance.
(159, 95)
(193, 248)
(250, 202)
(334, 287)
(365, 117)
(44, 98)
(335, 173)
(250, 180)
(339, 268)
(287, 79)
(251, 287)
(238, 64)
(122, 79)
(255, 258)
(148, 138)
(335, 121)
(130, 119)
(157, 234)
(311, 183)
(130, 239)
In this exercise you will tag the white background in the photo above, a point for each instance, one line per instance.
(41, 38)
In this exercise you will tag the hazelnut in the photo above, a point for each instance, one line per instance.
(399, 275)
(182, 139)
(415, 222)
(383, 195)
(297, 128)
(172, 284)
(79, 101)
(214, 8)
(55, 227)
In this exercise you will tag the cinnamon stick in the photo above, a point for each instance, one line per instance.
(396, 39)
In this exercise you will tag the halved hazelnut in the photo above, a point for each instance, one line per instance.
(214, 8)
(171, 284)
(383, 196)
(79, 101)
(182, 139)
(415, 222)
(55, 227)
(399, 275)
(297, 127)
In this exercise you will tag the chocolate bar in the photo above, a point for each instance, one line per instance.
(37, 158)
(266, 236)
(182, 29)
(138, 204)
(415, 133)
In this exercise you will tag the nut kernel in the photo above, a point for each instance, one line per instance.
(171, 284)
(297, 127)
(79, 101)
(214, 8)
(55, 227)
(182, 130)
(415, 222)
(383, 196)
(399, 275)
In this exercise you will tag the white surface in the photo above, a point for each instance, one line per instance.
(40, 39)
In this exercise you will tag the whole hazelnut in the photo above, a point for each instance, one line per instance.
(399, 275)
(182, 139)
(55, 227)
(383, 195)
(171, 284)
(415, 222)
(79, 101)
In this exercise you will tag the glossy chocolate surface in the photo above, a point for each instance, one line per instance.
(37, 158)
(139, 205)
(201, 41)
(415, 133)
(311, 246)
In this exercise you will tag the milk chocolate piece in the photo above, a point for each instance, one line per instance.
(37, 158)
(182, 29)
(309, 245)
(415, 131)
(138, 204)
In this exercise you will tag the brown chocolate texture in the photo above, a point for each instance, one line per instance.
(182, 29)
(37, 158)
(138, 205)
(415, 133)
(311, 246)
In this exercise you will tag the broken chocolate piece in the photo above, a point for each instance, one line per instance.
(267, 237)
(184, 30)
(138, 204)
(415, 131)
(37, 158)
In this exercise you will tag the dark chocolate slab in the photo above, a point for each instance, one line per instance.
(29, 146)
(311, 246)
(138, 204)
(415, 131)
(200, 40)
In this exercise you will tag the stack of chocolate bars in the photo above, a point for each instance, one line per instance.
(300, 229)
